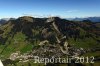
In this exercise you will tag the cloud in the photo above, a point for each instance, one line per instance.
(71, 11)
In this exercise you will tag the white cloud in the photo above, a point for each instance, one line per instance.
(71, 11)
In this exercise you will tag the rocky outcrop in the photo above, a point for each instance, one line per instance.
(60, 41)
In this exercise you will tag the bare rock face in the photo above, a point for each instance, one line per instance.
(63, 44)
(46, 33)
(54, 22)
(52, 19)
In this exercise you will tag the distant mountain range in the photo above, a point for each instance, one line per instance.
(93, 19)
(4, 20)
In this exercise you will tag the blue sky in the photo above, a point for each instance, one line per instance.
(62, 8)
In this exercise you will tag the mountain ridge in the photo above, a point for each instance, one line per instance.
(93, 19)
(28, 34)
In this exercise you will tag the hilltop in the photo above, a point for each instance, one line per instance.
(27, 33)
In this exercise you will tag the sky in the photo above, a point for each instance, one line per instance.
(45, 8)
